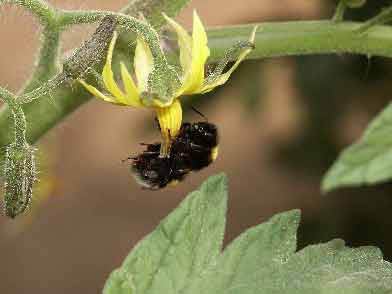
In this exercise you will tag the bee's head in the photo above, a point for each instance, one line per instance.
(204, 134)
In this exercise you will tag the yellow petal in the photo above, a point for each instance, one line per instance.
(143, 64)
(107, 74)
(132, 96)
(99, 94)
(170, 119)
(158, 103)
(200, 52)
(184, 43)
(224, 77)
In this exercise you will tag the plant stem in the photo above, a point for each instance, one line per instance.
(147, 8)
(163, 80)
(129, 23)
(303, 38)
(154, 16)
(40, 8)
(18, 117)
(47, 65)
(382, 18)
(339, 12)
(272, 39)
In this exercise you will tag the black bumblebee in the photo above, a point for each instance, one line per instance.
(195, 147)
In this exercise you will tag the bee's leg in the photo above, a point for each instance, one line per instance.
(149, 188)
(151, 152)
(129, 158)
(198, 148)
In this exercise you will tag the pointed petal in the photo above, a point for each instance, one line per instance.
(200, 52)
(143, 64)
(99, 94)
(132, 95)
(108, 76)
(220, 80)
(184, 43)
(170, 119)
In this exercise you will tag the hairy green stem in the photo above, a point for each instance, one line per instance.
(45, 13)
(8, 98)
(304, 38)
(229, 55)
(19, 163)
(154, 16)
(20, 127)
(339, 12)
(160, 80)
(48, 60)
(127, 22)
(141, 29)
(272, 39)
(150, 9)
(163, 80)
(18, 117)
(382, 18)
(69, 97)
(45, 89)
(77, 17)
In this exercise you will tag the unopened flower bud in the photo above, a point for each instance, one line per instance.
(20, 175)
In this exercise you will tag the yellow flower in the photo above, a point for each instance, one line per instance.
(193, 57)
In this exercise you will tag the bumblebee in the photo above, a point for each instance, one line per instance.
(196, 144)
(195, 147)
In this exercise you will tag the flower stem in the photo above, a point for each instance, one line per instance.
(48, 60)
(304, 38)
(39, 8)
(339, 12)
(382, 18)
(19, 118)
(154, 16)
(272, 39)
(161, 79)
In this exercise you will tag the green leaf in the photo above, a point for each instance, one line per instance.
(183, 256)
(180, 248)
(262, 260)
(250, 264)
(368, 161)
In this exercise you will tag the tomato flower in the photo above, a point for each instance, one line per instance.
(193, 57)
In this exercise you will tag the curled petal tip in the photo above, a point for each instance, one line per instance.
(194, 13)
(253, 35)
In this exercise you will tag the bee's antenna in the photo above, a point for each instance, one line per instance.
(199, 113)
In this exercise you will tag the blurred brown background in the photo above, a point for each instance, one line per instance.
(282, 122)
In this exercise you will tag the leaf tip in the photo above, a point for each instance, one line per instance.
(326, 186)
(331, 180)
(218, 180)
(336, 244)
(215, 187)
(294, 216)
